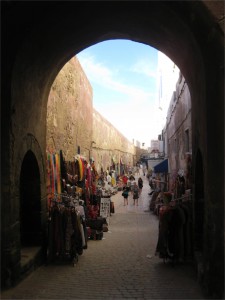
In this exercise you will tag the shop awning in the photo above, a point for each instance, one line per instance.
(162, 167)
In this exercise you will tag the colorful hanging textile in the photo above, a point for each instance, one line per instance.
(58, 173)
(80, 168)
(53, 174)
(88, 175)
(49, 178)
(54, 178)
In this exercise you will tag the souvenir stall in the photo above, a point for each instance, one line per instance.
(67, 232)
(175, 230)
(70, 183)
(98, 214)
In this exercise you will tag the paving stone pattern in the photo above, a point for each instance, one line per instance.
(122, 265)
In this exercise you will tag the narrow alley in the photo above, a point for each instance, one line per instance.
(122, 265)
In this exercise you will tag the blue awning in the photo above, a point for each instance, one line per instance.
(162, 167)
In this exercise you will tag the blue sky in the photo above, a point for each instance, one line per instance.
(123, 74)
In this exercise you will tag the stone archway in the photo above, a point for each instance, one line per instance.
(29, 205)
(36, 48)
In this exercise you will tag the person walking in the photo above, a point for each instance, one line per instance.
(135, 193)
(129, 184)
(132, 181)
(109, 178)
(144, 169)
(140, 184)
(125, 195)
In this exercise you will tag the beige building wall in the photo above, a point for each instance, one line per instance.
(110, 147)
(72, 122)
(69, 112)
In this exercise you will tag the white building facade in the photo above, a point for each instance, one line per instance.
(167, 76)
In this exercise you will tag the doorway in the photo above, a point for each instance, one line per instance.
(30, 204)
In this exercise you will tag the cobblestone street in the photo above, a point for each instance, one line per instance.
(122, 265)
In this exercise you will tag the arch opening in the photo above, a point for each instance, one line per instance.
(30, 204)
(44, 68)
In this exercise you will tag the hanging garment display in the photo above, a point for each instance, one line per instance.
(66, 230)
(69, 229)
(174, 237)
(58, 173)
(54, 179)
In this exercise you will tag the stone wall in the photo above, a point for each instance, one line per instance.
(69, 112)
(179, 132)
(72, 122)
(110, 148)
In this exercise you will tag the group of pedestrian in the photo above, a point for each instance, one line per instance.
(134, 188)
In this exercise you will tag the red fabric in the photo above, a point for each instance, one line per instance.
(93, 211)
(125, 179)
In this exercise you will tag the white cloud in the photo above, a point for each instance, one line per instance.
(133, 122)
(135, 117)
(98, 73)
(143, 67)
